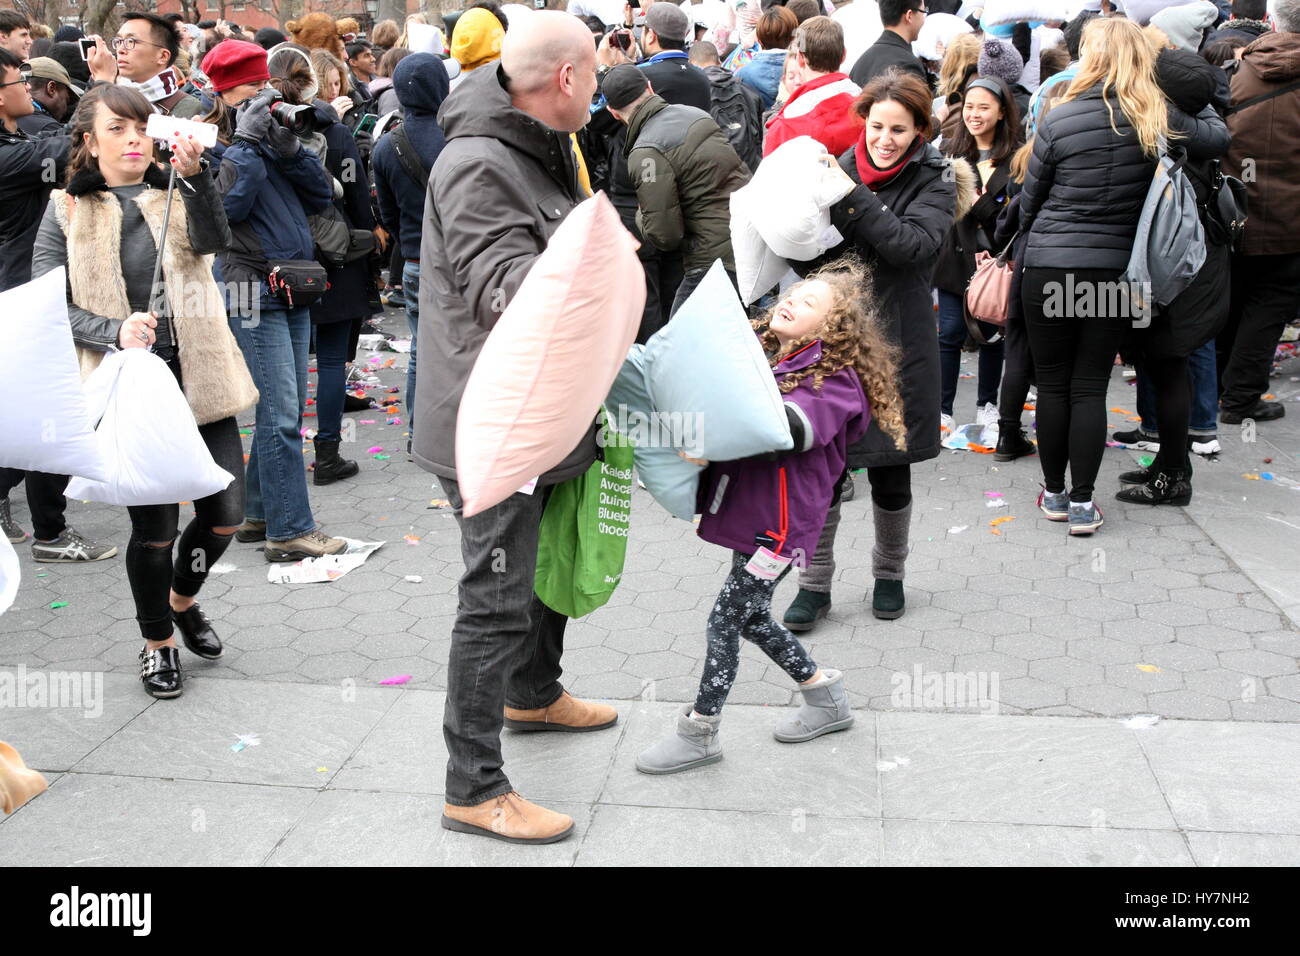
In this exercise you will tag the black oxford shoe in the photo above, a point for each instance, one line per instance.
(160, 672)
(197, 633)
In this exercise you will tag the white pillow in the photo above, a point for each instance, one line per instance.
(10, 574)
(41, 363)
(146, 432)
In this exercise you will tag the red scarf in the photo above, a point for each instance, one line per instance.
(872, 176)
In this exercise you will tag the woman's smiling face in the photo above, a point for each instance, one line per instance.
(890, 132)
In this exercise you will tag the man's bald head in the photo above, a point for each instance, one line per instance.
(550, 61)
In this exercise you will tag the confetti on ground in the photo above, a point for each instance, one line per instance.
(1148, 668)
(58, 604)
(995, 503)
(1115, 444)
(439, 504)
(322, 769)
(223, 567)
(1133, 418)
(374, 450)
(1121, 411)
(1269, 397)
(411, 539)
(394, 421)
(1266, 475)
(992, 494)
(993, 525)
(413, 579)
(367, 421)
(399, 679)
(42, 574)
(1251, 477)
(382, 457)
(1145, 461)
(246, 740)
(958, 529)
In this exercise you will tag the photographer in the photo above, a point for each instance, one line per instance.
(143, 55)
(269, 185)
(339, 313)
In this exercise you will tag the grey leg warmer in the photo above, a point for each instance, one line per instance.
(821, 566)
(889, 555)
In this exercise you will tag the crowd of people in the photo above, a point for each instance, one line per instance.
(428, 166)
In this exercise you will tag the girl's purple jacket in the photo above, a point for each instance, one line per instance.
(740, 502)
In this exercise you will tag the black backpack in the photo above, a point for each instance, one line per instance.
(738, 111)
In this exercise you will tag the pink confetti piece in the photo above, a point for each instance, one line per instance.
(399, 679)
(375, 450)
(992, 494)
(411, 539)
(367, 421)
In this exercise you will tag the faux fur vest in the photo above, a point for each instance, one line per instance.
(215, 379)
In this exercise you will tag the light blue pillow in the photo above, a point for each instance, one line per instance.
(671, 479)
(706, 374)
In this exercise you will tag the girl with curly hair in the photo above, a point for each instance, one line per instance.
(836, 373)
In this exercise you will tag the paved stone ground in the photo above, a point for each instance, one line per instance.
(1190, 614)
(1186, 613)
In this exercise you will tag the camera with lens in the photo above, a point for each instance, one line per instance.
(296, 119)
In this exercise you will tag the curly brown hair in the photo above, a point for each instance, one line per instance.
(851, 338)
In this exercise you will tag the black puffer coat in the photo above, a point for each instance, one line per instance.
(897, 232)
(348, 296)
(1085, 188)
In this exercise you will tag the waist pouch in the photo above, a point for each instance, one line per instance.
(297, 282)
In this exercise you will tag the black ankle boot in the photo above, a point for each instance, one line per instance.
(160, 672)
(1012, 444)
(197, 633)
(329, 466)
(807, 608)
(887, 601)
(1161, 488)
(351, 403)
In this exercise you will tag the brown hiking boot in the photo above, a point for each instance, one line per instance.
(567, 714)
(313, 544)
(509, 818)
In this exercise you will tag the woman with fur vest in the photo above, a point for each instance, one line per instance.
(904, 200)
(102, 229)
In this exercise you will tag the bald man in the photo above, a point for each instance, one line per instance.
(500, 187)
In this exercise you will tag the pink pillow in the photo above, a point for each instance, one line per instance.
(549, 362)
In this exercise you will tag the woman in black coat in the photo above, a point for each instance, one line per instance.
(1092, 163)
(895, 219)
(1199, 313)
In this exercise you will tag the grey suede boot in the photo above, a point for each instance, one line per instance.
(693, 745)
(888, 559)
(825, 710)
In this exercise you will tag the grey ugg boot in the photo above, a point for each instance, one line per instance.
(693, 745)
(825, 710)
(889, 555)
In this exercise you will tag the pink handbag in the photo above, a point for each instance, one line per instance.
(988, 295)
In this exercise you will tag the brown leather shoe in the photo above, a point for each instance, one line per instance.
(509, 818)
(567, 714)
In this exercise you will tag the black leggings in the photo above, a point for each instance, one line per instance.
(149, 568)
(891, 486)
(1168, 375)
(744, 609)
(1073, 357)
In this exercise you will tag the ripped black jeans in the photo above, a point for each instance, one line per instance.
(150, 570)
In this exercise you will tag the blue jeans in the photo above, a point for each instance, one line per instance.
(411, 291)
(275, 349)
(332, 340)
(952, 335)
(1201, 374)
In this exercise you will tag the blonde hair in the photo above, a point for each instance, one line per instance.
(851, 338)
(322, 61)
(962, 55)
(1019, 167)
(1117, 54)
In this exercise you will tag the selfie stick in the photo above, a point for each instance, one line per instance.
(156, 296)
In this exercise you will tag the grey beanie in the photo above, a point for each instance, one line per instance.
(999, 58)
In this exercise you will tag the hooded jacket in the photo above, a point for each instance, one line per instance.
(1267, 133)
(1247, 31)
(476, 41)
(422, 86)
(763, 73)
(684, 171)
(821, 108)
(740, 502)
(499, 190)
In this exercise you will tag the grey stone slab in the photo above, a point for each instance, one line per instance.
(55, 738)
(658, 836)
(348, 828)
(108, 820)
(1244, 849)
(833, 775)
(927, 843)
(405, 753)
(300, 728)
(1230, 777)
(1036, 770)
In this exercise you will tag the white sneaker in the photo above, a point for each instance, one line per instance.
(988, 415)
(945, 422)
(1206, 448)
